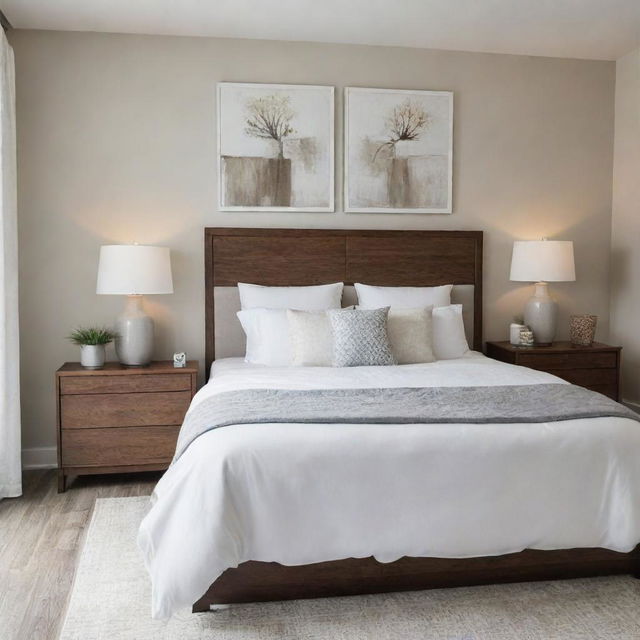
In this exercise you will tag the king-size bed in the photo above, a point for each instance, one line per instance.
(309, 481)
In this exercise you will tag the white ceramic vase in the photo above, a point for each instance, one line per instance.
(540, 313)
(134, 344)
(92, 356)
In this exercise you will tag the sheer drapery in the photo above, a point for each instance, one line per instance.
(10, 467)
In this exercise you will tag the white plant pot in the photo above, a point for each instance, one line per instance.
(92, 356)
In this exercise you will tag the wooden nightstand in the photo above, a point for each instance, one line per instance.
(120, 419)
(596, 367)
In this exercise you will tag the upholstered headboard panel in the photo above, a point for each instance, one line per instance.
(299, 257)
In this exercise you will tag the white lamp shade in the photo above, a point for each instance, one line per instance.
(543, 261)
(132, 269)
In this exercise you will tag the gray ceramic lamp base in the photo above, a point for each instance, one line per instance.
(540, 314)
(134, 344)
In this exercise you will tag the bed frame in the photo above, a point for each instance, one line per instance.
(298, 257)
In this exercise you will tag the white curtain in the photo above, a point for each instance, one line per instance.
(10, 467)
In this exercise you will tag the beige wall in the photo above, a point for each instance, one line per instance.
(116, 143)
(625, 237)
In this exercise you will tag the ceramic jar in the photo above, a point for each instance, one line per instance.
(582, 330)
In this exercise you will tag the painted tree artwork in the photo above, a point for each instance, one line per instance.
(398, 151)
(275, 147)
(270, 118)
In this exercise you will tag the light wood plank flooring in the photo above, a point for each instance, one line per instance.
(41, 535)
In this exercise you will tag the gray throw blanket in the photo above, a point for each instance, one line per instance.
(425, 405)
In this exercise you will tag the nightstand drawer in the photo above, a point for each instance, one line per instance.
(591, 360)
(115, 447)
(609, 390)
(125, 384)
(588, 377)
(596, 367)
(123, 409)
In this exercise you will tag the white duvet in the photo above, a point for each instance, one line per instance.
(304, 493)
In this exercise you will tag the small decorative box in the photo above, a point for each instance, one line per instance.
(526, 338)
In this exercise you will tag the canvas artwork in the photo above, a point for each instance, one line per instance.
(275, 147)
(398, 151)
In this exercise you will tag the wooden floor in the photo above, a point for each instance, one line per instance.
(41, 535)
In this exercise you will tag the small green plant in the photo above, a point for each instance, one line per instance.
(92, 335)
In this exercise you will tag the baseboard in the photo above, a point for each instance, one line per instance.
(39, 458)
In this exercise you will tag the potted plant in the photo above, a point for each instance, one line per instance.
(92, 341)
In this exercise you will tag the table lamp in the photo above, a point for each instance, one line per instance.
(134, 270)
(542, 261)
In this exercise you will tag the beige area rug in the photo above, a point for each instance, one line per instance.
(110, 600)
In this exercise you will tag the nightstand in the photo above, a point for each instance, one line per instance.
(596, 367)
(120, 419)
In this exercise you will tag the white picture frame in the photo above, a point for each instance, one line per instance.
(262, 164)
(375, 179)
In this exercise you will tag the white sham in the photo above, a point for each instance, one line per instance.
(371, 297)
(313, 298)
(449, 338)
(267, 332)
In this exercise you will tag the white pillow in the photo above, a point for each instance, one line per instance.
(311, 338)
(370, 297)
(314, 298)
(267, 332)
(410, 335)
(449, 338)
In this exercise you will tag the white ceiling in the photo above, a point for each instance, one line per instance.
(598, 29)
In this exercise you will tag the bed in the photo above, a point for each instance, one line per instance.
(255, 512)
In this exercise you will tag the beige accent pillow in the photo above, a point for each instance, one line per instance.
(311, 338)
(410, 335)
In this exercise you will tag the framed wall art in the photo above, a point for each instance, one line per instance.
(398, 151)
(275, 147)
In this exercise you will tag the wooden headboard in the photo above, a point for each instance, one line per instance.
(299, 257)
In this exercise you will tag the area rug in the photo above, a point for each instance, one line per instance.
(111, 595)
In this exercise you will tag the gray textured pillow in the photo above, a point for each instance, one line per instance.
(360, 337)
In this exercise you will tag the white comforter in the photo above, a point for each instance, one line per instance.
(300, 493)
